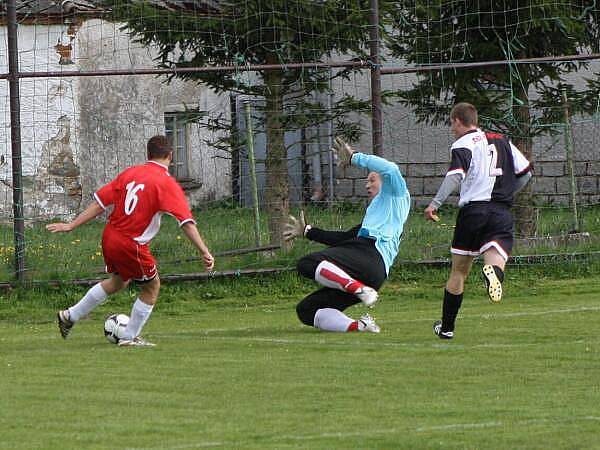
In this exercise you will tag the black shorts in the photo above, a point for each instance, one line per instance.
(482, 225)
(358, 257)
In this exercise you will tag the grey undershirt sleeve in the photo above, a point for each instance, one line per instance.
(522, 181)
(450, 184)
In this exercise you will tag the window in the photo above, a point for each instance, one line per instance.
(176, 131)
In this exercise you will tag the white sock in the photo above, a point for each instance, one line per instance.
(93, 297)
(332, 276)
(330, 319)
(140, 312)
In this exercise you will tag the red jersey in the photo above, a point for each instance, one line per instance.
(140, 195)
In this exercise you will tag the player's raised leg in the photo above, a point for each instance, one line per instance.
(493, 273)
(331, 275)
(92, 298)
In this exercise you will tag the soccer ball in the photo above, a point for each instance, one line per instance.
(114, 327)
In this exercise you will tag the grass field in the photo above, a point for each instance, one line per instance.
(234, 369)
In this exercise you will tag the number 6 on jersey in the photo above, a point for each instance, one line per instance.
(131, 199)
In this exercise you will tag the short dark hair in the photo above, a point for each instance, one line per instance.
(159, 147)
(466, 113)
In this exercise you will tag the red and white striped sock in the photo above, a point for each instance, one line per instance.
(353, 326)
(330, 275)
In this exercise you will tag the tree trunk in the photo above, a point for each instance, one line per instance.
(524, 208)
(276, 189)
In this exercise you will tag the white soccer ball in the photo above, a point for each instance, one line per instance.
(114, 327)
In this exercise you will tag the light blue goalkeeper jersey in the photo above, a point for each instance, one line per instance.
(387, 212)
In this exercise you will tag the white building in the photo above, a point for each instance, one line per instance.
(78, 132)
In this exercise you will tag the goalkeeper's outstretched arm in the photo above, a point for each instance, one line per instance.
(331, 237)
(297, 227)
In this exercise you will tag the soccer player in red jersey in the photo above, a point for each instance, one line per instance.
(488, 170)
(139, 196)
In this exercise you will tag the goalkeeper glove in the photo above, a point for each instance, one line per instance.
(343, 152)
(295, 227)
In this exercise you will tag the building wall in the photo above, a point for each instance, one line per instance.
(422, 151)
(78, 133)
(51, 175)
(119, 113)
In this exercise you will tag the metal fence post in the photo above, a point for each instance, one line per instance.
(252, 164)
(15, 140)
(376, 107)
(570, 163)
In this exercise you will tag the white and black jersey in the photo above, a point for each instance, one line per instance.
(489, 165)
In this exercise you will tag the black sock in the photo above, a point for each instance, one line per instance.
(450, 309)
(499, 273)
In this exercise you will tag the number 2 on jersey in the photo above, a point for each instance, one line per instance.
(494, 170)
(131, 199)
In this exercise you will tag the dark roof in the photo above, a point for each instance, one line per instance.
(186, 5)
(31, 10)
(37, 9)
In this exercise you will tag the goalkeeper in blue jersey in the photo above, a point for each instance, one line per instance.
(358, 260)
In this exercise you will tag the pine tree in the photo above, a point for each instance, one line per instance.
(254, 32)
(518, 99)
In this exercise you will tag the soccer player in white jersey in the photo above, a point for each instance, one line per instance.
(489, 170)
(357, 261)
(139, 196)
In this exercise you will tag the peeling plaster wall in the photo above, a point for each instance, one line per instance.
(119, 114)
(78, 133)
(51, 183)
